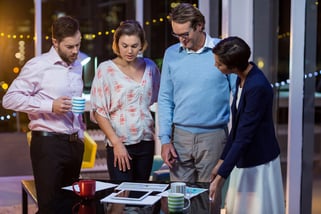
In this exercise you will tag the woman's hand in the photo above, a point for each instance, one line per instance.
(216, 187)
(215, 170)
(216, 181)
(121, 156)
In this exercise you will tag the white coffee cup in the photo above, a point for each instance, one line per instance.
(178, 187)
(78, 104)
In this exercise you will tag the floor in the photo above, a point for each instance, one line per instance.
(11, 196)
(15, 166)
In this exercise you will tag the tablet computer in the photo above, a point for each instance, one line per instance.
(131, 195)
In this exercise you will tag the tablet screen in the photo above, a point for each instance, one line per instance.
(131, 195)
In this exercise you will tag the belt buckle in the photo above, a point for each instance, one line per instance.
(73, 137)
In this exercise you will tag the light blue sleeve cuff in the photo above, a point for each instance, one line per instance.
(165, 139)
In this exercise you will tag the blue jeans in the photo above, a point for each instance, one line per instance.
(140, 166)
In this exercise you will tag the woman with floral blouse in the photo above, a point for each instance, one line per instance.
(122, 91)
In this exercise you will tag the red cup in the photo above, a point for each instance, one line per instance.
(87, 188)
(87, 207)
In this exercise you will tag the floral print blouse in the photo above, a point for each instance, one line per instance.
(125, 102)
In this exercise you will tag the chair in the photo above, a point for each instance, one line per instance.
(160, 171)
(90, 150)
(29, 137)
(157, 163)
(28, 190)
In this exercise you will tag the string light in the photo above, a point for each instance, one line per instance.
(8, 117)
(92, 36)
(15, 70)
(287, 82)
(4, 85)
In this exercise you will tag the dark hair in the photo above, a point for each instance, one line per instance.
(129, 27)
(65, 26)
(186, 12)
(233, 52)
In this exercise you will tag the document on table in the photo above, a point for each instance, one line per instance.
(99, 186)
(154, 187)
(149, 200)
(190, 192)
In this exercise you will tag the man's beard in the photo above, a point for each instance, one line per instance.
(65, 58)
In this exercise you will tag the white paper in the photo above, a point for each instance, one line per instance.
(154, 187)
(99, 186)
(149, 200)
(190, 192)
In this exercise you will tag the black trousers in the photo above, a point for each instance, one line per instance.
(56, 162)
(141, 164)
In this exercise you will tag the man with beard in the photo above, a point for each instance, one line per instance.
(43, 90)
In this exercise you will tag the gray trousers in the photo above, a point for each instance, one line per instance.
(197, 154)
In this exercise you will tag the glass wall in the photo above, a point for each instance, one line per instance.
(99, 18)
(16, 47)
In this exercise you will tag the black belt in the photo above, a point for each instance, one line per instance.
(67, 137)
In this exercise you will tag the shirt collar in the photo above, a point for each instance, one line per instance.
(208, 44)
(56, 59)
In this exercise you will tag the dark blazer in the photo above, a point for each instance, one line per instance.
(252, 140)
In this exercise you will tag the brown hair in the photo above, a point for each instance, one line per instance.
(64, 26)
(186, 12)
(129, 27)
(234, 52)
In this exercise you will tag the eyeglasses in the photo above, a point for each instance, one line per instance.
(182, 35)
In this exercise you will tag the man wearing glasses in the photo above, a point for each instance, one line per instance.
(193, 102)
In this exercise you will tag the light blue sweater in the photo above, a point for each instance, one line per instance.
(194, 95)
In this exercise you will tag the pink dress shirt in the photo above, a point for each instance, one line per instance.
(125, 102)
(43, 79)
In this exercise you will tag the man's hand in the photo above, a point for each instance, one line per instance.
(169, 155)
(62, 105)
